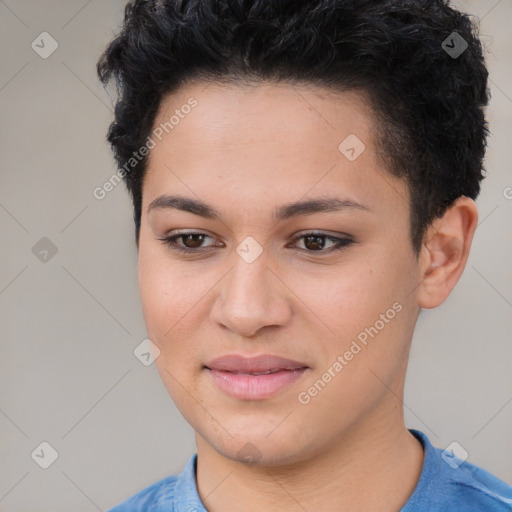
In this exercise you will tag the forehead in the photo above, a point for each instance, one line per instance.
(265, 140)
(278, 113)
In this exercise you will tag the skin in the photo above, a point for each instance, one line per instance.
(246, 150)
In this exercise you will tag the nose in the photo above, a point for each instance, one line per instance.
(251, 297)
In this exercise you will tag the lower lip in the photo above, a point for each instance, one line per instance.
(254, 387)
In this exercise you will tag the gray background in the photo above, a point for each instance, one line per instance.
(69, 325)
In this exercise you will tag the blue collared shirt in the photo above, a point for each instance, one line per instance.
(446, 484)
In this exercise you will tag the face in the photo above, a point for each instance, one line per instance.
(298, 248)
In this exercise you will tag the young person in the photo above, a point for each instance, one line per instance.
(303, 176)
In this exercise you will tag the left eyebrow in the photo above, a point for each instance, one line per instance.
(286, 211)
(316, 206)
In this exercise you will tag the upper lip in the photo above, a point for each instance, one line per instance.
(261, 363)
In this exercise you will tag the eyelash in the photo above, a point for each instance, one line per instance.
(342, 243)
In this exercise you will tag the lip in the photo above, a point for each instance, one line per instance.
(234, 375)
(261, 363)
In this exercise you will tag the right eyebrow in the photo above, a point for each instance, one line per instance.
(185, 204)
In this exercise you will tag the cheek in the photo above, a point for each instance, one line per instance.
(161, 296)
(345, 297)
(162, 288)
(362, 309)
(168, 300)
(173, 301)
(156, 297)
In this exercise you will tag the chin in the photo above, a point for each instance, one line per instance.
(259, 449)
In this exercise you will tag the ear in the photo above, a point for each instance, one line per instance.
(445, 252)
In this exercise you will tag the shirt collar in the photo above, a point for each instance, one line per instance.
(186, 494)
(425, 492)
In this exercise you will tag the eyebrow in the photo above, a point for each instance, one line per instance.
(286, 211)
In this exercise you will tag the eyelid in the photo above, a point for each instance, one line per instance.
(342, 240)
(325, 234)
(168, 240)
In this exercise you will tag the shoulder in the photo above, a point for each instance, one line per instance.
(474, 488)
(156, 497)
(450, 483)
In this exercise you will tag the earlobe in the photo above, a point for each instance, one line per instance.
(445, 252)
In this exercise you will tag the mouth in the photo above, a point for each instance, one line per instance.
(267, 372)
(255, 378)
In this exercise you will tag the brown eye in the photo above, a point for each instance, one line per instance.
(192, 241)
(322, 243)
(314, 242)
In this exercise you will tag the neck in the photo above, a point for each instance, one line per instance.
(374, 466)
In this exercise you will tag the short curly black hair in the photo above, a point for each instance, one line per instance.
(429, 101)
